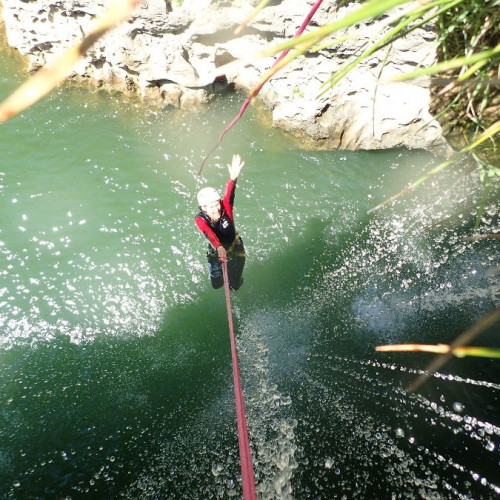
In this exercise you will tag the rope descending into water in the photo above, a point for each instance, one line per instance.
(247, 475)
(256, 90)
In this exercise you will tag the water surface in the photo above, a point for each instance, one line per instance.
(115, 369)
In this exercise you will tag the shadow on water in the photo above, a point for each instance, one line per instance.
(82, 418)
(135, 415)
(153, 416)
(207, 461)
(277, 279)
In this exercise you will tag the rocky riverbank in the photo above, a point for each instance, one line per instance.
(166, 53)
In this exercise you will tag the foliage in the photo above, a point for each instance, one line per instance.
(470, 28)
(468, 72)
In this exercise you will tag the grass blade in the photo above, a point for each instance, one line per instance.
(444, 66)
(48, 78)
(465, 338)
(460, 352)
(487, 134)
(251, 16)
(371, 9)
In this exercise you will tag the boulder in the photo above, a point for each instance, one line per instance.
(170, 53)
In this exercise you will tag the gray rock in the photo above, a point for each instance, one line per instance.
(169, 54)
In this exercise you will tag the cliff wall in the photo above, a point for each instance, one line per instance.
(168, 51)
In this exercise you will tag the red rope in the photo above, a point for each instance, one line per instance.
(256, 90)
(247, 475)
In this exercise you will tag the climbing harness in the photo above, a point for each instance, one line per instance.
(256, 90)
(236, 246)
(247, 475)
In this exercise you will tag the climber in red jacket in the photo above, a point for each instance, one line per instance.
(216, 222)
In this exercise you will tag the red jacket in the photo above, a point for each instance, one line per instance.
(223, 231)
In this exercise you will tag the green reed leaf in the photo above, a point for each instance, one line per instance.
(445, 66)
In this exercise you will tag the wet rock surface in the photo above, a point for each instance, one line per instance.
(168, 54)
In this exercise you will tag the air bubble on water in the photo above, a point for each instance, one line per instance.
(458, 407)
(400, 432)
(216, 469)
(490, 446)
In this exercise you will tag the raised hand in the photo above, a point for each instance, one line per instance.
(235, 167)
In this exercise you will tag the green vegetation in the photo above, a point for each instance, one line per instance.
(468, 97)
(465, 81)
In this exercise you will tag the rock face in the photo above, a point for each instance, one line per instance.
(169, 52)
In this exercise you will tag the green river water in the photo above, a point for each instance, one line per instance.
(115, 366)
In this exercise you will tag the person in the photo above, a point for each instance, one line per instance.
(216, 222)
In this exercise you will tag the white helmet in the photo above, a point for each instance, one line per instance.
(207, 195)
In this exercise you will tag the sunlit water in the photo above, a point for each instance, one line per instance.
(114, 351)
